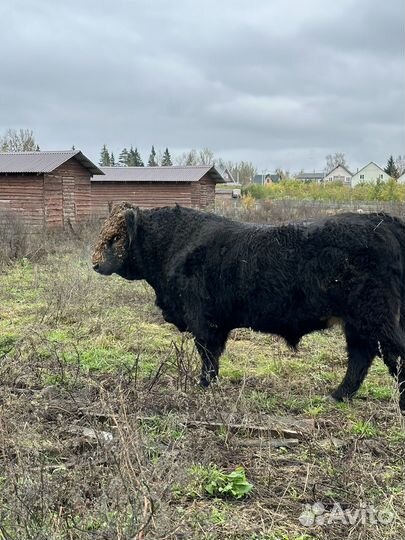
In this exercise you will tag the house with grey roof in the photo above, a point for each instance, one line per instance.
(59, 189)
(149, 187)
(401, 179)
(310, 176)
(47, 189)
(266, 178)
(226, 174)
(370, 173)
(340, 173)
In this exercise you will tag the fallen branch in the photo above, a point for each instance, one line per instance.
(278, 426)
(277, 429)
(272, 443)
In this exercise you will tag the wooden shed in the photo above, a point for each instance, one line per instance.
(47, 188)
(149, 187)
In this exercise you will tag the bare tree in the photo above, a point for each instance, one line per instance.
(332, 161)
(245, 172)
(283, 174)
(22, 140)
(400, 164)
(188, 158)
(194, 157)
(206, 157)
(242, 171)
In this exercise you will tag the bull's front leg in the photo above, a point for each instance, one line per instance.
(210, 348)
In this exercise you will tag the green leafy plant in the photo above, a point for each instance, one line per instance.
(217, 483)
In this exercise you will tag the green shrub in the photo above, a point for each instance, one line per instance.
(212, 482)
(333, 191)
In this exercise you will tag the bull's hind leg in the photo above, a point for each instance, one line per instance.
(361, 353)
(210, 349)
(393, 354)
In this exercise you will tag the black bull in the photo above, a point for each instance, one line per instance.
(211, 275)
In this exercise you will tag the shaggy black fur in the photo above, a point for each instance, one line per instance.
(211, 275)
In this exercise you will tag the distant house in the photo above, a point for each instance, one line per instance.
(47, 189)
(310, 177)
(339, 174)
(226, 174)
(370, 173)
(266, 178)
(149, 187)
(401, 179)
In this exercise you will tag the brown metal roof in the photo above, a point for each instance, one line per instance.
(42, 162)
(159, 174)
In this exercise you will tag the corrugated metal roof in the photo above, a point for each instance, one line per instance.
(314, 175)
(158, 174)
(42, 162)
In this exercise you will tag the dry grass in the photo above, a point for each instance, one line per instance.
(98, 437)
(282, 211)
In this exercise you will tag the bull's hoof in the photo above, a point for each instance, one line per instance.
(332, 399)
(204, 382)
(342, 394)
(339, 397)
(335, 398)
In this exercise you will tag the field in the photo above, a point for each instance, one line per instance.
(104, 434)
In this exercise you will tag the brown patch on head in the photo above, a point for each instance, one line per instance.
(114, 226)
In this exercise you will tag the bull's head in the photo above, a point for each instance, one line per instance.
(112, 251)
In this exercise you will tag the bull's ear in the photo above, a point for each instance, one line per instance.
(131, 219)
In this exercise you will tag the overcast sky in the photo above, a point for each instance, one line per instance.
(281, 83)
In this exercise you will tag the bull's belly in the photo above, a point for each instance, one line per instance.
(292, 330)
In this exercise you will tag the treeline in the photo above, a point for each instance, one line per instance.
(331, 192)
(133, 158)
(21, 140)
(240, 171)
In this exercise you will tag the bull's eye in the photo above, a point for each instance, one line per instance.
(113, 240)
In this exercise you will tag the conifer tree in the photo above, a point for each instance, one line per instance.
(134, 159)
(166, 160)
(112, 160)
(391, 168)
(138, 159)
(123, 158)
(152, 158)
(104, 157)
(131, 157)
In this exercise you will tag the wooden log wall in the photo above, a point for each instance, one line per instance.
(73, 202)
(67, 194)
(203, 193)
(142, 194)
(23, 195)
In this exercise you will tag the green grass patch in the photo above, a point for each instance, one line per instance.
(363, 429)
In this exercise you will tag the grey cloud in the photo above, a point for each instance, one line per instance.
(281, 83)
